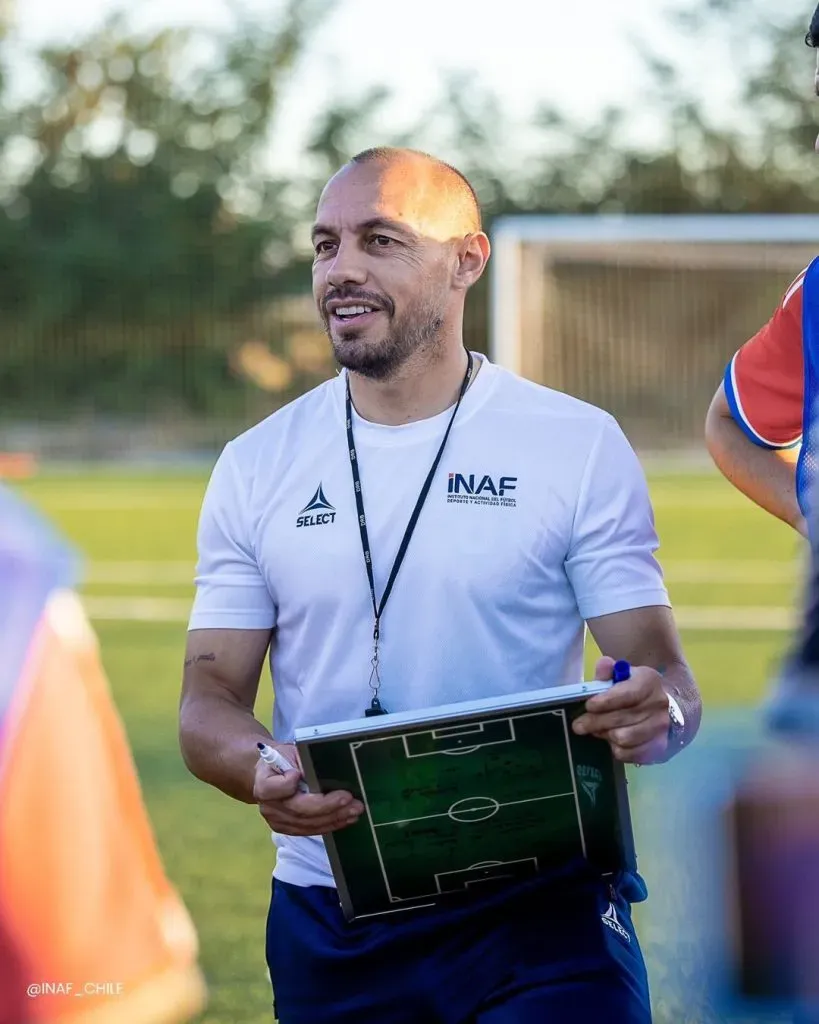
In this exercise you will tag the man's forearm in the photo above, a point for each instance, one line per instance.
(766, 476)
(679, 683)
(218, 741)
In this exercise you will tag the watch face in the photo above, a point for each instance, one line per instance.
(675, 713)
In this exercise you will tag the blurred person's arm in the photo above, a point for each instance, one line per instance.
(765, 475)
(754, 422)
(217, 728)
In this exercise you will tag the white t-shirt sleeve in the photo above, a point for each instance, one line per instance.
(611, 564)
(231, 592)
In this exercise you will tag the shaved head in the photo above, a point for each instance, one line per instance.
(448, 186)
(397, 242)
(434, 196)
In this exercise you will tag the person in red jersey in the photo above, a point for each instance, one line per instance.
(766, 406)
(755, 424)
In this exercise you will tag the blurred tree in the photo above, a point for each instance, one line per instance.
(133, 192)
(763, 161)
(144, 174)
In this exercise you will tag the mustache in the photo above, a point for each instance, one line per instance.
(358, 297)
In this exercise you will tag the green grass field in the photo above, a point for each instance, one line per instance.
(734, 576)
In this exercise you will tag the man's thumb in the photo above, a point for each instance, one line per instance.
(604, 669)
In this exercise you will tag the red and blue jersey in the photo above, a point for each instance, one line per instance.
(764, 382)
(772, 383)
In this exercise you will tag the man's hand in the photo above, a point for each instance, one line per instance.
(632, 716)
(300, 814)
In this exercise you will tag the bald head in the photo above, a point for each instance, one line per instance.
(445, 183)
(428, 194)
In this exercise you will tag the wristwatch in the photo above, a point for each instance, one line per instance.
(676, 724)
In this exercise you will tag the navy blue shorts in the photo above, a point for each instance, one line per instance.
(536, 953)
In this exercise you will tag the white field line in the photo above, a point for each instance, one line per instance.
(711, 619)
(106, 501)
(749, 572)
(137, 609)
(770, 618)
(147, 573)
(698, 497)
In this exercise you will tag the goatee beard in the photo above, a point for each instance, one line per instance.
(382, 360)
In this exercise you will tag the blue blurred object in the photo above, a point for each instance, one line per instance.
(792, 710)
(34, 562)
(684, 844)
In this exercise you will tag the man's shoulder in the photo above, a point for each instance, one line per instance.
(517, 395)
(309, 411)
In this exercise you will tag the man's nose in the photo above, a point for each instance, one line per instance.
(348, 266)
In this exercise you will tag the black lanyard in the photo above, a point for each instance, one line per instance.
(375, 707)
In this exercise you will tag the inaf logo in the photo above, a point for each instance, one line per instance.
(324, 512)
(475, 489)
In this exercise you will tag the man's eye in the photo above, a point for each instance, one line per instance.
(381, 241)
(322, 247)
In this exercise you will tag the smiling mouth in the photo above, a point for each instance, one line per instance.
(353, 314)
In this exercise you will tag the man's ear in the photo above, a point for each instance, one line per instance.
(473, 255)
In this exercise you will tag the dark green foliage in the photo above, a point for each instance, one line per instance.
(141, 236)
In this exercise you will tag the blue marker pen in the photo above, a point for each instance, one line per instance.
(621, 672)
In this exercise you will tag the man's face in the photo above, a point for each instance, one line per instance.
(381, 276)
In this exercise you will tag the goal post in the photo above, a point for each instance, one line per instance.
(639, 313)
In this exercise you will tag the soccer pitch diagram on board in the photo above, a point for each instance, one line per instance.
(639, 314)
(462, 806)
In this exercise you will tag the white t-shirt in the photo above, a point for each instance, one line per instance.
(538, 519)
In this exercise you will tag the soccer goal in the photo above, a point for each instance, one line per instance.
(639, 314)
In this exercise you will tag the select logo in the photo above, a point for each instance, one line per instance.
(317, 512)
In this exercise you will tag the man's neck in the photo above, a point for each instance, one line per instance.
(416, 392)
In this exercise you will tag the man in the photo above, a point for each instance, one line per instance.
(755, 421)
(309, 545)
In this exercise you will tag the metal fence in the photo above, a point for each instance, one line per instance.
(178, 386)
(640, 315)
(647, 336)
(644, 331)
